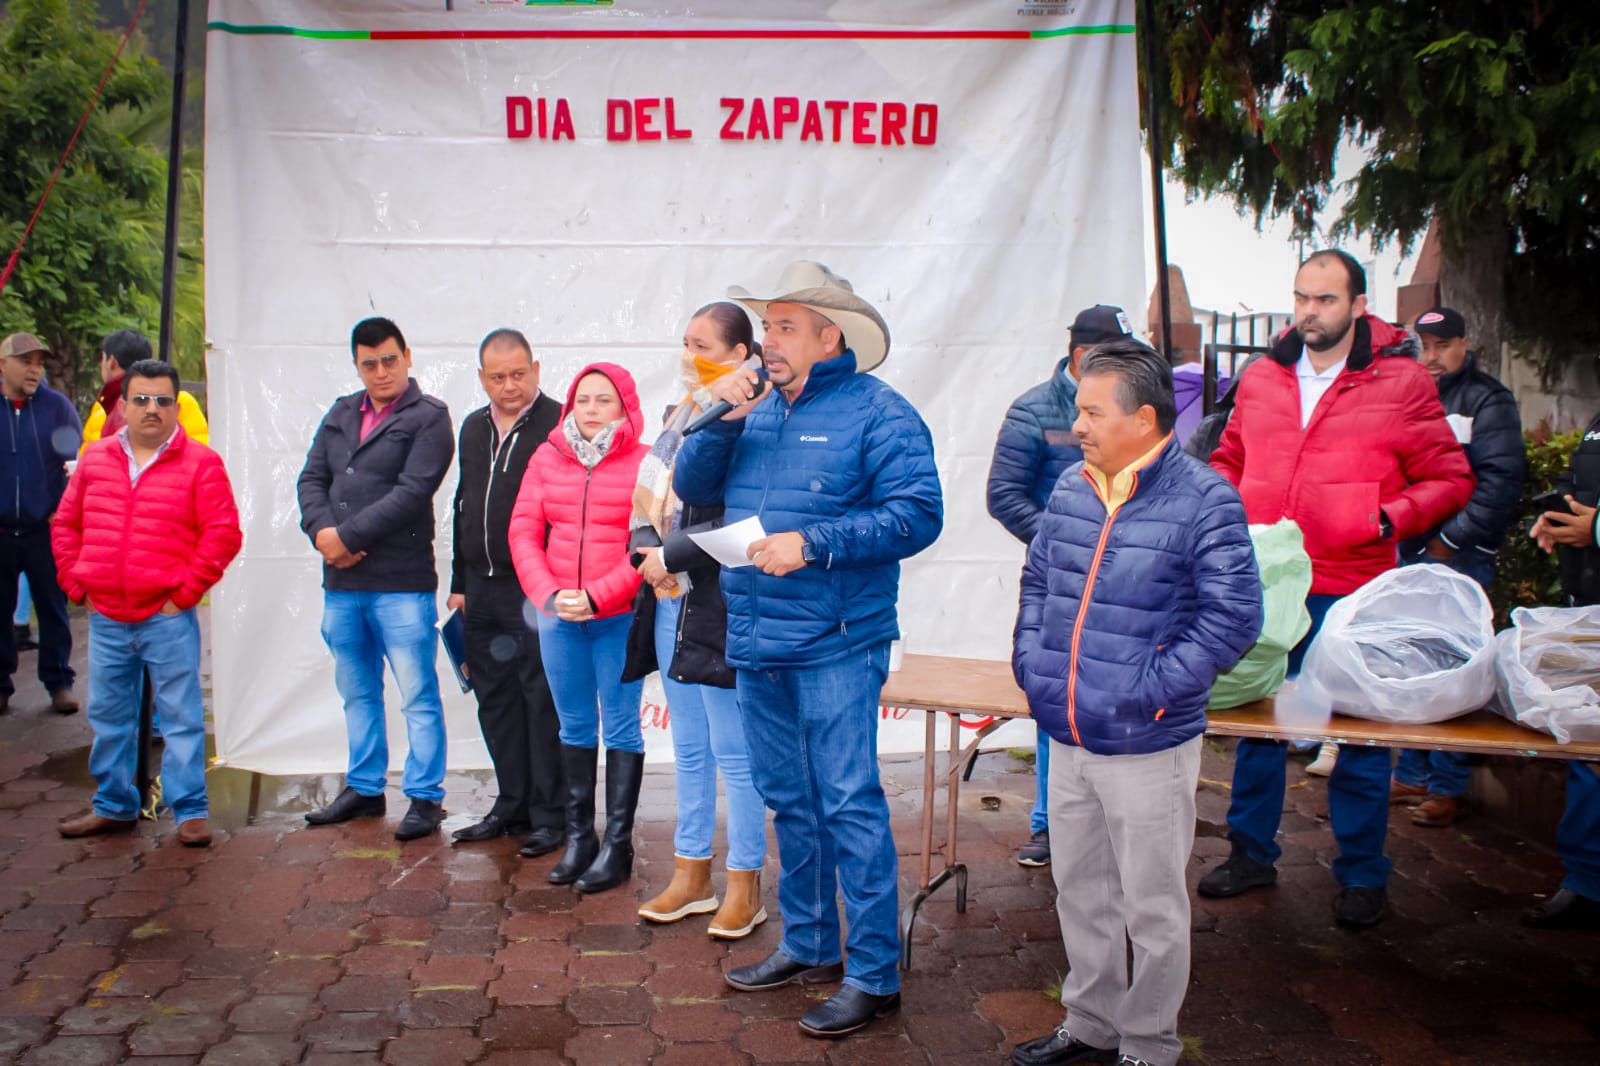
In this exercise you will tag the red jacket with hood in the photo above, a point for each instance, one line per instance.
(132, 546)
(569, 527)
(1377, 441)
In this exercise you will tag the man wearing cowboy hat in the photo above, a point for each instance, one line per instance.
(839, 468)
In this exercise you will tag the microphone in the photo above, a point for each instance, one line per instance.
(721, 407)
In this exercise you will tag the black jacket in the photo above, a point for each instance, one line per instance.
(1499, 461)
(1580, 567)
(701, 644)
(491, 472)
(378, 492)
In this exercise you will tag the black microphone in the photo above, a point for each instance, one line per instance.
(721, 407)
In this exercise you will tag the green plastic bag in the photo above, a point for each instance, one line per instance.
(1285, 580)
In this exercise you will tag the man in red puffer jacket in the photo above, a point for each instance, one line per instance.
(146, 527)
(1340, 430)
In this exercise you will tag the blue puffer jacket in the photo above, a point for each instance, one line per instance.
(1126, 622)
(1034, 445)
(850, 466)
(44, 433)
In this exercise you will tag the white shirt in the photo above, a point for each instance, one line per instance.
(1313, 385)
(134, 469)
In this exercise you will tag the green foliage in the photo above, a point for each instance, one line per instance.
(1480, 113)
(1524, 575)
(91, 265)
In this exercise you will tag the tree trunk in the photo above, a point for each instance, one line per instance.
(1472, 279)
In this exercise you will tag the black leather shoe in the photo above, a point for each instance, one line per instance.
(1058, 1047)
(1240, 873)
(1359, 908)
(542, 841)
(1564, 910)
(846, 1011)
(349, 804)
(492, 827)
(423, 818)
(777, 970)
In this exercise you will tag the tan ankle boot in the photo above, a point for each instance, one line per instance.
(741, 906)
(688, 893)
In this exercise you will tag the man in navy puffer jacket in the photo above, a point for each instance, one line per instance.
(839, 467)
(1140, 587)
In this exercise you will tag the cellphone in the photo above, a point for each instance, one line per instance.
(1552, 500)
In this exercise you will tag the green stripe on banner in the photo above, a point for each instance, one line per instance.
(289, 31)
(1082, 31)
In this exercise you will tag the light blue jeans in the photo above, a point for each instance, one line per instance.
(362, 629)
(707, 736)
(583, 662)
(119, 653)
(813, 735)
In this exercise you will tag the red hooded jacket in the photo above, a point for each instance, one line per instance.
(130, 547)
(569, 527)
(1377, 441)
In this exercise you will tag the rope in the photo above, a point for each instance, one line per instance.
(16, 253)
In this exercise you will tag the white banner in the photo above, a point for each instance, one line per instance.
(590, 173)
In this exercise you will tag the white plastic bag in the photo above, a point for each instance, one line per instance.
(1414, 645)
(1548, 664)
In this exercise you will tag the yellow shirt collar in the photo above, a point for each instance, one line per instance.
(1114, 491)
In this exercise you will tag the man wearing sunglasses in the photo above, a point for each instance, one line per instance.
(366, 502)
(42, 433)
(147, 526)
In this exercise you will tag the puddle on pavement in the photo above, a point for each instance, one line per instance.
(236, 797)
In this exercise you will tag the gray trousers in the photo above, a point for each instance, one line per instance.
(1121, 830)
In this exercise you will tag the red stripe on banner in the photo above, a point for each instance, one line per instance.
(700, 35)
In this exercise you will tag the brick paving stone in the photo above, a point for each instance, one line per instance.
(315, 941)
(80, 962)
(288, 976)
(463, 940)
(176, 1034)
(610, 937)
(76, 1051)
(271, 1013)
(433, 1047)
(603, 1046)
(692, 1022)
(527, 1028)
(538, 926)
(445, 1008)
(610, 1006)
(18, 1032)
(350, 1031)
(103, 1016)
(153, 943)
(254, 1049)
(536, 956)
(701, 1055)
(354, 1058)
(523, 1057)
(688, 984)
(780, 1041)
(44, 917)
(876, 1051)
(686, 951)
(376, 959)
(608, 969)
(455, 970)
(531, 989)
(365, 993)
(41, 996)
(19, 946)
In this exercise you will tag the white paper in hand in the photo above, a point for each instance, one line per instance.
(728, 545)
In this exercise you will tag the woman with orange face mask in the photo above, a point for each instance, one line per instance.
(680, 627)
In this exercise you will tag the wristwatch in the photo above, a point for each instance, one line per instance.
(807, 552)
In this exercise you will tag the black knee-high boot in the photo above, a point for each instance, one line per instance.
(614, 864)
(578, 764)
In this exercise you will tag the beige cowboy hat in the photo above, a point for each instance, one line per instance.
(815, 286)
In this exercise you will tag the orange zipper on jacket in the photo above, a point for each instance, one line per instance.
(1083, 604)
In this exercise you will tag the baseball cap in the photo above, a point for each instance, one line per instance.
(1098, 324)
(1442, 322)
(21, 344)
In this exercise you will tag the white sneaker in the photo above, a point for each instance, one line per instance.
(1322, 765)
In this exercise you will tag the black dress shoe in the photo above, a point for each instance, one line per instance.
(777, 970)
(542, 841)
(1058, 1047)
(1564, 910)
(423, 818)
(493, 827)
(1240, 873)
(350, 804)
(846, 1011)
(1359, 908)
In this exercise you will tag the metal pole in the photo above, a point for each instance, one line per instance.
(169, 267)
(1158, 200)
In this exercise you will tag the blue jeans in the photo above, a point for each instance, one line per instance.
(813, 736)
(1444, 773)
(707, 736)
(1578, 835)
(24, 612)
(119, 653)
(1040, 818)
(362, 629)
(583, 662)
(1358, 793)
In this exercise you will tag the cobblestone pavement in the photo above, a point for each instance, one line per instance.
(282, 944)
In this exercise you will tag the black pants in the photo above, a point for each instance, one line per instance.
(29, 553)
(515, 710)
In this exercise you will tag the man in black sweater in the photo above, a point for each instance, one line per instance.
(515, 709)
(366, 502)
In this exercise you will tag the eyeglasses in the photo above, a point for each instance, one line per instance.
(145, 401)
(389, 361)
